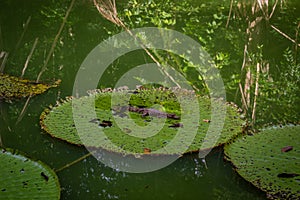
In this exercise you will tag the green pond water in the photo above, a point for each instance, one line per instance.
(186, 178)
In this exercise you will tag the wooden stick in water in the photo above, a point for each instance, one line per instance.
(29, 57)
(55, 41)
(74, 162)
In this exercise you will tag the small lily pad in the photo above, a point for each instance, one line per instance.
(260, 160)
(162, 122)
(14, 87)
(23, 178)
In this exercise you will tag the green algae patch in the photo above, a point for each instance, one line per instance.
(13, 87)
(270, 160)
(148, 123)
(23, 178)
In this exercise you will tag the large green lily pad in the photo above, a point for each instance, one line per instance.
(58, 121)
(14, 87)
(269, 160)
(23, 178)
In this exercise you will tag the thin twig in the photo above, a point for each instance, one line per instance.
(55, 41)
(243, 97)
(5, 56)
(296, 39)
(229, 15)
(74, 162)
(21, 115)
(256, 92)
(47, 59)
(29, 57)
(273, 9)
(107, 8)
(285, 35)
(23, 33)
(261, 4)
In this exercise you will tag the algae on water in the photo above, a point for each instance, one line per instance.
(14, 87)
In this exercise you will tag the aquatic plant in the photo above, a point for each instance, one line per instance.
(58, 121)
(14, 87)
(23, 178)
(269, 160)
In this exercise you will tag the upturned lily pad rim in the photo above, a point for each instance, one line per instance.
(47, 111)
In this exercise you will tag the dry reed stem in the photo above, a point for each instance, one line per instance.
(285, 35)
(229, 14)
(243, 97)
(107, 8)
(256, 92)
(74, 162)
(55, 41)
(22, 35)
(47, 59)
(5, 56)
(21, 115)
(29, 57)
(273, 9)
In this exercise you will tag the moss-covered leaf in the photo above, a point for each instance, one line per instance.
(270, 160)
(23, 178)
(14, 87)
(59, 122)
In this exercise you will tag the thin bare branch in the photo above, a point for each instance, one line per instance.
(263, 4)
(29, 56)
(285, 35)
(74, 162)
(243, 97)
(107, 8)
(256, 92)
(55, 41)
(229, 14)
(23, 33)
(47, 59)
(273, 9)
(21, 115)
(5, 56)
(296, 39)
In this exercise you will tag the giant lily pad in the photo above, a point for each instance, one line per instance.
(270, 160)
(58, 121)
(23, 178)
(14, 87)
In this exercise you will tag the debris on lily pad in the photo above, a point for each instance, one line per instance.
(14, 87)
(151, 119)
(270, 160)
(23, 178)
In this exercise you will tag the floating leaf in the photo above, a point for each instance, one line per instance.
(59, 121)
(14, 87)
(260, 160)
(23, 178)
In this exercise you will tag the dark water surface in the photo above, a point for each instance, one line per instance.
(187, 178)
